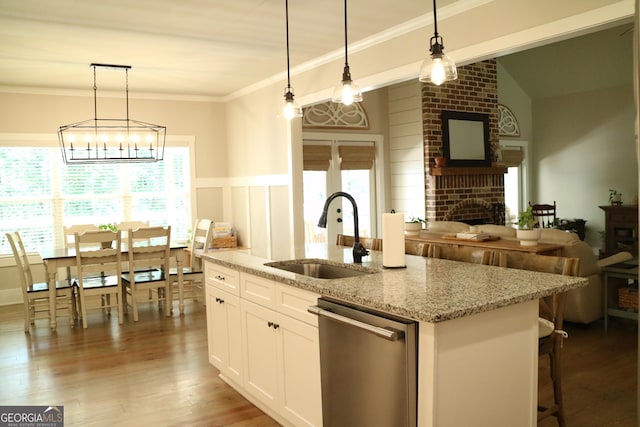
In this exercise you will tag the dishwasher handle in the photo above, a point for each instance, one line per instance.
(388, 334)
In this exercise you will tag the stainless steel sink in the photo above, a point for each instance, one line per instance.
(321, 269)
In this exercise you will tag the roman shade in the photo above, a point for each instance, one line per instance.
(512, 157)
(356, 157)
(316, 157)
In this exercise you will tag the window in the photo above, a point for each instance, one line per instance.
(39, 194)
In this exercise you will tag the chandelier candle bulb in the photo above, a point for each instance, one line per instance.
(393, 240)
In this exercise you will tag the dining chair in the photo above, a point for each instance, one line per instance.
(416, 247)
(36, 295)
(69, 233)
(550, 321)
(124, 227)
(460, 253)
(192, 276)
(544, 213)
(148, 258)
(99, 266)
(373, 243)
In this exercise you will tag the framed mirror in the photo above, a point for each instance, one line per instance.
(465, 139)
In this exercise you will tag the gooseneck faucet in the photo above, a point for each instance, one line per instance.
(358, 250)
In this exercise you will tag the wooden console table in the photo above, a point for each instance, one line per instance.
(493, 245)
(627, 270)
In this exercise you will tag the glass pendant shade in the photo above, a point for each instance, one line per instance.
(437, 69)
(347, 92)
(291, 108)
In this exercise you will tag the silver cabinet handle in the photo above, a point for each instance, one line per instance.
(387, 334)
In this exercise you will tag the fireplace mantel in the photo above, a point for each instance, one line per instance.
(450, 171)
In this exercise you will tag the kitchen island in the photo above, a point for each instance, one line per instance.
(477, 335)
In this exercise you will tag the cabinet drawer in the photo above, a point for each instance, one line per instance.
(223, 278)
(257, 289)
(293, 302)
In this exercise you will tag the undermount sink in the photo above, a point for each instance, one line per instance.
(320, 269)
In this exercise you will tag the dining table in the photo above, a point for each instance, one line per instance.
(57, 258)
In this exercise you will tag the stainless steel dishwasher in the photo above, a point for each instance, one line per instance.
(368, 366)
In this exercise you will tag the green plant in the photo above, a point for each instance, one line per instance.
(526, 220)
(111, 227)
(438, 152)
(613, 193)
(417, 220)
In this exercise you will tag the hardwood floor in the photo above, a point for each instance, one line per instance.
(153, 372)
(599, 375)
(156, 372)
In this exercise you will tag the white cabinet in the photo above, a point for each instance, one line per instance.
(264, 341)
(224, 332)
(282, 363)
(222, 293)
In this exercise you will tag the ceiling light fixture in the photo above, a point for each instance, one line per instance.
(111, 140)
(346, 92)
(291, 107)
(438, 68)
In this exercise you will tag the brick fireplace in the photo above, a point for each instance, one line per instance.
(474, 195)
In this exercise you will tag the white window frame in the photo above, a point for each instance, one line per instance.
(51, 141)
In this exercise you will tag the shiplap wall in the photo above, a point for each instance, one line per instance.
(406, 149)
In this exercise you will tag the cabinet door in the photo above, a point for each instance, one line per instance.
(260, 346)
(224, 332)
(299, 360)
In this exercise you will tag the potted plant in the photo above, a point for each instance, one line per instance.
(413, 226)
(110, 227)
(527, 233)
(614, 197)
(439, 159)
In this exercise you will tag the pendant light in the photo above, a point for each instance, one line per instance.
(346, 92)
(291, 107)
(438, 68)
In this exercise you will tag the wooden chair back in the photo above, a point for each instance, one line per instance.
(416, 247)
(461, 253)
(373, 243)
(99, 269)
(151, 248)
(544, 213)
(200, 241)
(22, 262)
(124, 227)
(70, 232)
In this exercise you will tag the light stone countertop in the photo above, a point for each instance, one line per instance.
(430, 290)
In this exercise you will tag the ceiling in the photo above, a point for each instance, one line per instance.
(214, 48)
(192, 47)
(595, 61)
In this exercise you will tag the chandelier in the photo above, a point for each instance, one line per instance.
(111, 140)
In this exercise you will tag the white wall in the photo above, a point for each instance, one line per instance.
(406, 149)
(585, 141)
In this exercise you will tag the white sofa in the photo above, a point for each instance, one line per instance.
(584, 305)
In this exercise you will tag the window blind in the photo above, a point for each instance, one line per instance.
(39, 195)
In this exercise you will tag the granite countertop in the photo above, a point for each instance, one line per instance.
(430, 290)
